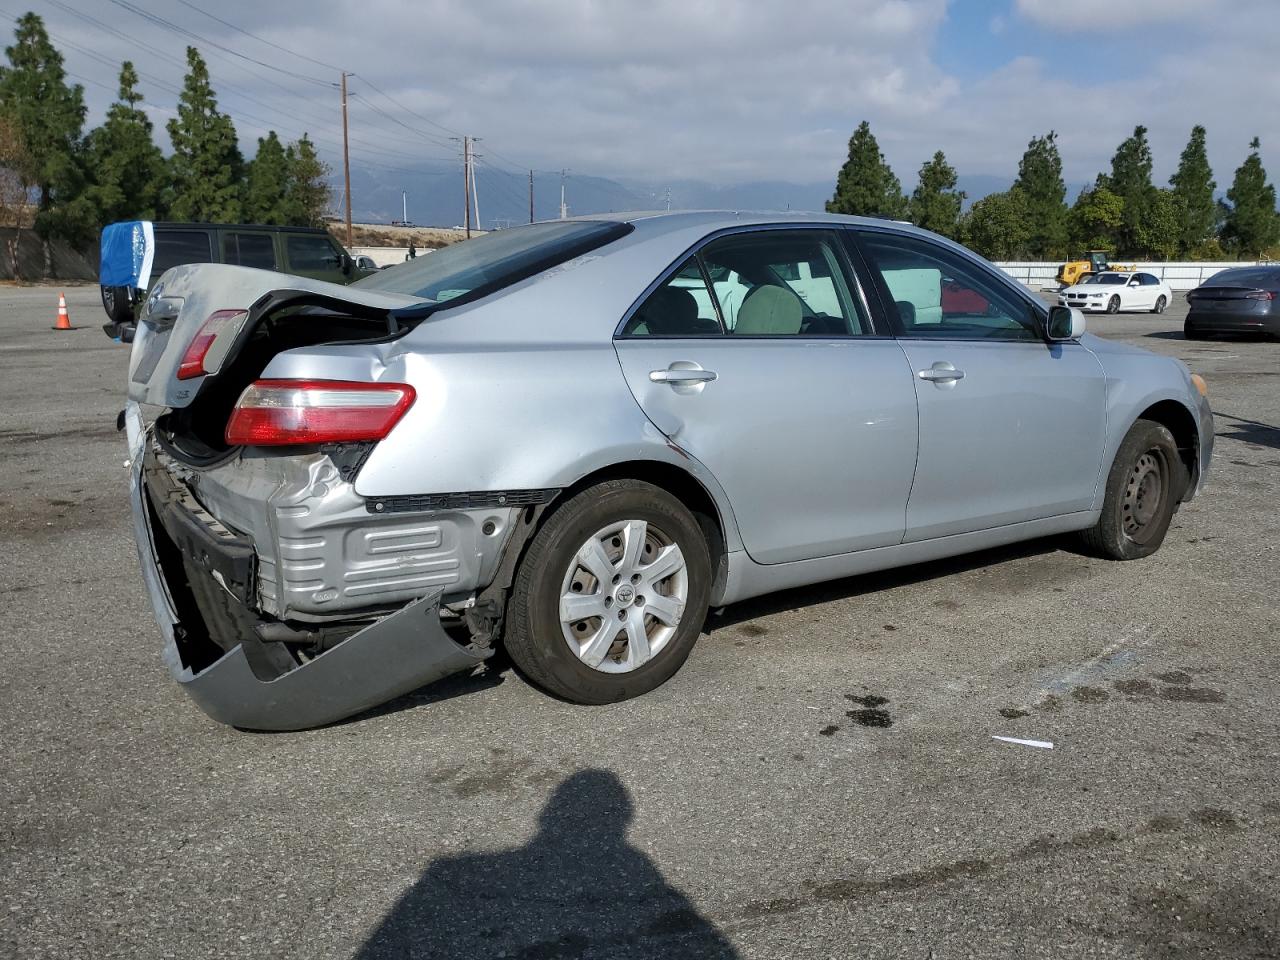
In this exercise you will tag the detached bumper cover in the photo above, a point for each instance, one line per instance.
(386, 659)
(390, 658)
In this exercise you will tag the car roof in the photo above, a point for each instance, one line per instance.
(163, 225)
(656, 222)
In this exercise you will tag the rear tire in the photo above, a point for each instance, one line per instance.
(1191, 333)
(1161, 303)
(1145, 483)
(618, 648)
(1113, 305)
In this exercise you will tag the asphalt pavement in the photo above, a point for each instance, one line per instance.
(819, 781)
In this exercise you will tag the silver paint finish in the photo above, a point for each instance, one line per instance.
(813, 439)
(1020, 437)
(801, 443)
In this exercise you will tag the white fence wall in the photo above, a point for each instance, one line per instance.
(1179, 276)
(386, 256)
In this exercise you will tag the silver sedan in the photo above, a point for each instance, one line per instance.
(572, 438)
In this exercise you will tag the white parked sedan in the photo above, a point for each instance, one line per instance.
(1113, 292)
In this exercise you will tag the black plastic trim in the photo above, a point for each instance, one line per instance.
(470, 500)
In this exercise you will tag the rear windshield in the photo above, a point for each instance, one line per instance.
(478, 267)
(1268, 277)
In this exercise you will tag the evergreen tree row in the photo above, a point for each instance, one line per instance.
(68, 184)
(1123, 212)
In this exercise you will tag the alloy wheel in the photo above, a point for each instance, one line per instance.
(623, 595)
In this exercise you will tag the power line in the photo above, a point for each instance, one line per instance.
(184, 32)
(253, 36)
(387, 96)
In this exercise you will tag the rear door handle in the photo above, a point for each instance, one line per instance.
(677, 375)
(941, 372)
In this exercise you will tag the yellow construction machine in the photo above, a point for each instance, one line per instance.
(1075, 271)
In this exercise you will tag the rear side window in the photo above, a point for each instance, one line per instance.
(478, 267)
(681, 307)
(311, 253)
(250, 250)
(176, 247)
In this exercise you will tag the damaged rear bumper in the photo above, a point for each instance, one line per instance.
(390, 657)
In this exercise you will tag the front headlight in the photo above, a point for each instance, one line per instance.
(1097, 296)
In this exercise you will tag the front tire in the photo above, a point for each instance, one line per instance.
(1146, 481)
(1113, 305)
(611, 595)
(1161, 303)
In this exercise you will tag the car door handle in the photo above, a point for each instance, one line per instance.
(941, 372)
(676, 375)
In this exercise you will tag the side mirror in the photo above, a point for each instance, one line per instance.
(1064, 323)
(1135, 283)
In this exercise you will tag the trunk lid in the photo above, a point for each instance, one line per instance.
(183, 299)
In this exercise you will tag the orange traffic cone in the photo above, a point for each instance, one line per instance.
(64, 318)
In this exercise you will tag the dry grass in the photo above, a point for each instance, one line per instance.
(381, 235)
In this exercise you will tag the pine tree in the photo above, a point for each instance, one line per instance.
(997, 226)
(1193, 188)
(206, 165)
(1040, 181)
(267, 182)
(935, 202)
(1252, 223)
(127, 167)
(50, 114)
(866, 186)
(307, 192)
(1130, 180)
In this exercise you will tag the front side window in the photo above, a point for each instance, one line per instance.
(250, 250)
(311, 253)
(776, 283)
(939, 294)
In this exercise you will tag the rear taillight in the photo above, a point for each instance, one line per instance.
(1261, 295)
(278, 412)
(196, 361)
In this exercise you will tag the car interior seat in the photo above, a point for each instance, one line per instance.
(670, 311)
(770, 310)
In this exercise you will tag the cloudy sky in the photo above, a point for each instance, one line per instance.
(716, 90)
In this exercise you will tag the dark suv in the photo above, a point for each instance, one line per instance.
(135, 251)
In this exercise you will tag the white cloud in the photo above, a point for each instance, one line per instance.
(712, 89)
(1103, 15)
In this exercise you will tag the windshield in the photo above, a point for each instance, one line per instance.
(1111, 279)
(478, 267)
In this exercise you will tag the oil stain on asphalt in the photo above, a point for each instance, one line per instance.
(871, 715)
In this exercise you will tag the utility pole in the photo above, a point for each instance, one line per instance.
(474, 195)
(564, 210)
(668, 199)
(404, 206)
(531, 196)
(346, 159)
(466, 182)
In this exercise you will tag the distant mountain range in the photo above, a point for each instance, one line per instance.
(435, 192)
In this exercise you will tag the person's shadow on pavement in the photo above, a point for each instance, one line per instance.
(576, 890)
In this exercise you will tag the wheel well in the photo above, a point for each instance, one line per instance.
(684, 487)
(1179, 421)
